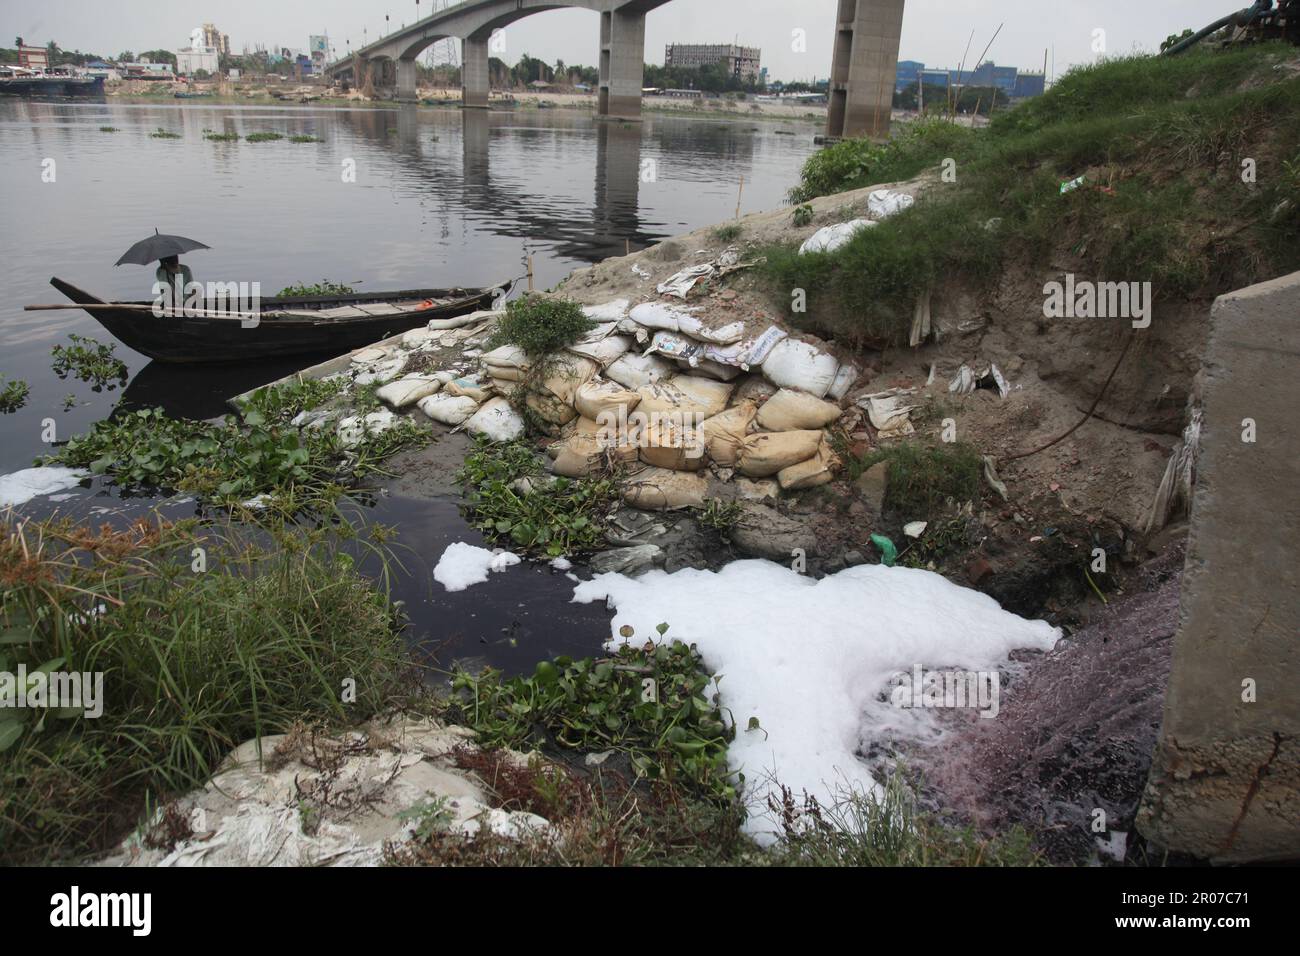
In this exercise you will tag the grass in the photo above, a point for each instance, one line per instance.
(13, 395)
(860, 830)
(541, 325)
(1160, 143)
(559, 516)
(923, 481)
(728, 233)
(194, 662)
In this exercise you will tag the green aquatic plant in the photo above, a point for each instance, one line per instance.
(263, 137)
(302, 138)
(323, 288)
(221, 137)
(13, 395)
(161, 133)
(655, 702)
(508, 498)
(89, 361)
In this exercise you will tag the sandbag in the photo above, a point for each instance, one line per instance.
(497, 421)
(670, 444)
(469, 387)
(710, 369)
(599, 396)
(564, 374)
(754, 389)
(608, 311)
(634, 371)
(503, 386)
(586, 449)
(508, 356)
(766, 453)
(448, 409)
(789, 410)
(504, 373)
(795, 364)
(603, 351)
(683, 396)
(660, 489)
(407, 391)
(844, 379)
(817, 470)
(550, 408)
(724, 434)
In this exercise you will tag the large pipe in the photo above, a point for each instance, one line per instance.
(1241, 18)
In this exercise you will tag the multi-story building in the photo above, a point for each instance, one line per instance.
(741, 62)
(216, 40)
(1016, 83)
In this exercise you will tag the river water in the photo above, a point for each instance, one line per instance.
(388, 199)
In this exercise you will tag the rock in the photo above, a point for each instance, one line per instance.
(629, 561)
(978, 570)
(764, 532)
(873, 483)
(854, 558)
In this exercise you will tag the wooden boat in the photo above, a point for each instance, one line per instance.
(312, 325)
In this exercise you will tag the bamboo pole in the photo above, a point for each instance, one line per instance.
(740, 195)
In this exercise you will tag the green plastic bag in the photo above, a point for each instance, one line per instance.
(888, 553)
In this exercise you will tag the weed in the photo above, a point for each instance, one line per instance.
(304, 139)
(861, 829)
(13, 395)
(719, 515)
(922, 481)
(540, 325)
(193, 663)
(281, 403)
(109, 129)
(803, 215)
(89, 361)
(319, 289)
(564, 517)
(430, 816)
(728, 233)
(648, 702)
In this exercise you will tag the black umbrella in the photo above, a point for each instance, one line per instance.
(158, 247)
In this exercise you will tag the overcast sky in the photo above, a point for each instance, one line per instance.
(934, 31)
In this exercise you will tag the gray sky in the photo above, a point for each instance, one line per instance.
(934, 31)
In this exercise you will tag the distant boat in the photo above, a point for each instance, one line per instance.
(190, 96)
(26, 83)
(307, 325)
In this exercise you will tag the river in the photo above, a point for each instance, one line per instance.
(387, 199)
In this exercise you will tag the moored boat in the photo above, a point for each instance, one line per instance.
(282, 326)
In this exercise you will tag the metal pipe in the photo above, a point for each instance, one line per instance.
(1241, 18)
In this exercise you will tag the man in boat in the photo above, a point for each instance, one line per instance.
(176, 277)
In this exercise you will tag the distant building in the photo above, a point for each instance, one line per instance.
(33, 57)
(216, 40)
(741, 62)
(204, 53)
(1015, 83)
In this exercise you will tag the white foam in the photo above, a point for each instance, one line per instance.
(810, 658)
(463, 565)
(20, 487)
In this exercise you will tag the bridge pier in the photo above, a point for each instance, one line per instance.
(867, 35)
(406, 76)
(475, 80)
(622, 65)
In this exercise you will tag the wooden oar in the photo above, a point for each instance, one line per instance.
(124, 307)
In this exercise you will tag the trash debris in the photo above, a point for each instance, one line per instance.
(991, 476)
(920, 320)
(889, 412)
(639, 271)
(986, 376)
(914, 529)
(680, 284)
(888, 553)
(1072, 185)
(883, 203)
(830, 238)
(1174, 496)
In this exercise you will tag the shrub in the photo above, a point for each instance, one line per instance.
(539, 325)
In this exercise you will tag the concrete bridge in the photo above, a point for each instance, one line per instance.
(867, 36)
